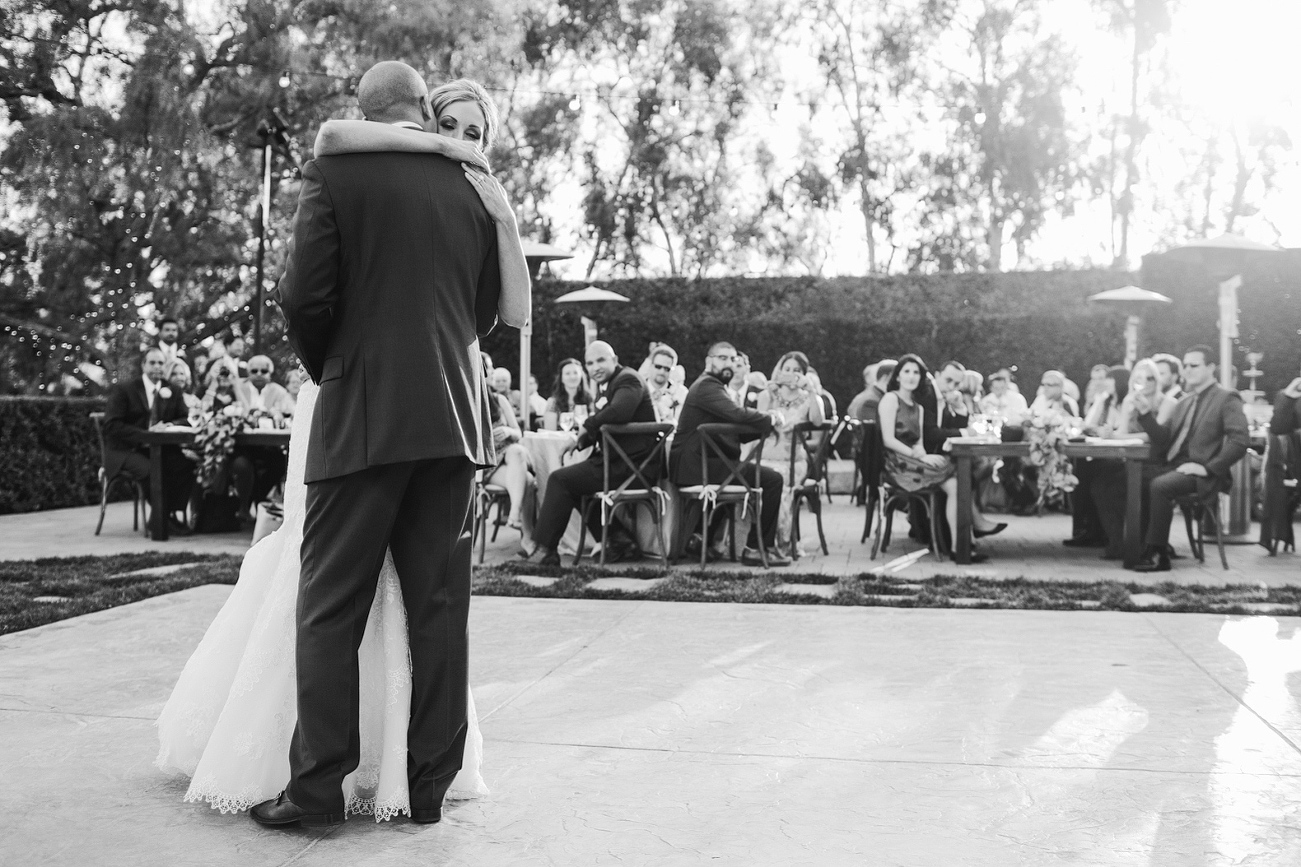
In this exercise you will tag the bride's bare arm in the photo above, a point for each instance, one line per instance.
(364, 136)
(516, 301)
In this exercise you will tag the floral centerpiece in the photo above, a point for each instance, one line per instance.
(1047, 437)
(216, 439)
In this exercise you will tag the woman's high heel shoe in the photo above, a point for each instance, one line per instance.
(980, 534)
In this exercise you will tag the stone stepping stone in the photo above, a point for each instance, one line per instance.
(889, 597)
(153, 570)
(1148, 600)
(969, 601)
(1268, 607)
(826, 591)
(628, 585)
(51, 598)
(536, 580)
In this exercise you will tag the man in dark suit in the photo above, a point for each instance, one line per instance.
(134, 406)
(391, 276)
(708, 401)
(622, 398)
(948, 417)
(1195, 450)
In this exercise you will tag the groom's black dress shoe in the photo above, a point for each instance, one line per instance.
(284, 813)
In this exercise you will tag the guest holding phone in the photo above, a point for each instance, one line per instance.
(789, 392)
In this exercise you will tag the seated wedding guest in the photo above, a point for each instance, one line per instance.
(1205, 436)
(1097, 375)
(199, 364)
(790, 393)
(134, 406)
(567, 395)
(1102, 420)
(294, 381)
(1053, 404)
(537, 404)
(972, 390)
(261, 393)
(1170, 373)
(1004, 402)
(877, 376)
(169, 331)
(902, 414)
(864, 404)
(224, 390)
(946, 414)
(708, 402)
(513, 464)
(827, 398)
(1107, 487)
(746, 385)
(236, 349)
(666, 395)
(177, 374)
(622, 398)
(501, 381)
(218, 357)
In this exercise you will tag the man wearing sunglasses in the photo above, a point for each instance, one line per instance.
(666, 395)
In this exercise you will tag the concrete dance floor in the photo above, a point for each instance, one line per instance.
(648, 733)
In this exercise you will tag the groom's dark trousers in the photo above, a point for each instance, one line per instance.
(421, 510)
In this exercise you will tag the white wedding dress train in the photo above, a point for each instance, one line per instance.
(230, 717)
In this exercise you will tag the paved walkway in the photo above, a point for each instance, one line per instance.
(1030, 548)
(652, 733)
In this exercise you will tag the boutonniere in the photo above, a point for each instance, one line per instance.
(164, 392)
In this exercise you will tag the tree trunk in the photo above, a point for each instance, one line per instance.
(995, 239)
(869, 223)
(1131, 158)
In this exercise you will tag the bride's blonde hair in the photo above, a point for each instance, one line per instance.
(465, 90)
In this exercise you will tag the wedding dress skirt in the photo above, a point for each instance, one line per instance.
(230, 717)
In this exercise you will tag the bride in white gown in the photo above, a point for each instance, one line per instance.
(232, 713)
(228, 722)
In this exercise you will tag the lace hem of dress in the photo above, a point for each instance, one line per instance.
(381, 810)
(225, 802)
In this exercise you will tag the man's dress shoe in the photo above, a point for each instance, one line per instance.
(1153, 563)
(281, 812)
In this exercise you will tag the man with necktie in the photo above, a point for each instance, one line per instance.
(1204, 438)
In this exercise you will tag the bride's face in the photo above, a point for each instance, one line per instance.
(463, 120)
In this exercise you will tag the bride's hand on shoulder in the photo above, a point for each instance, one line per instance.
(493, 195)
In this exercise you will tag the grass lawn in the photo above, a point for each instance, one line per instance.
(35, 592)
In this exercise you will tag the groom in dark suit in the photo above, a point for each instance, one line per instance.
(391, 276)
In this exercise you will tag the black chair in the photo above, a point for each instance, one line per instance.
(892, 497)
(486, 495)
(640, 486)
(733, 491)
(869, 464)
(1200, 510)
(817, 450)
(140, 497)
(1282, 491)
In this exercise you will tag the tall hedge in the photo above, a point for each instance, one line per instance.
(1032, 320)
(49, 453)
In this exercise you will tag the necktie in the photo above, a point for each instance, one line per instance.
(1184, 428)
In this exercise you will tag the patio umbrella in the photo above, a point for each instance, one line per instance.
(590, 294)
(535, 253)
(1132, 300)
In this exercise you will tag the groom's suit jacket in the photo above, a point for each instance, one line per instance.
(391, 277)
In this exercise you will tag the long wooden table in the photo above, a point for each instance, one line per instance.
(965, 451)
(156, 439)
